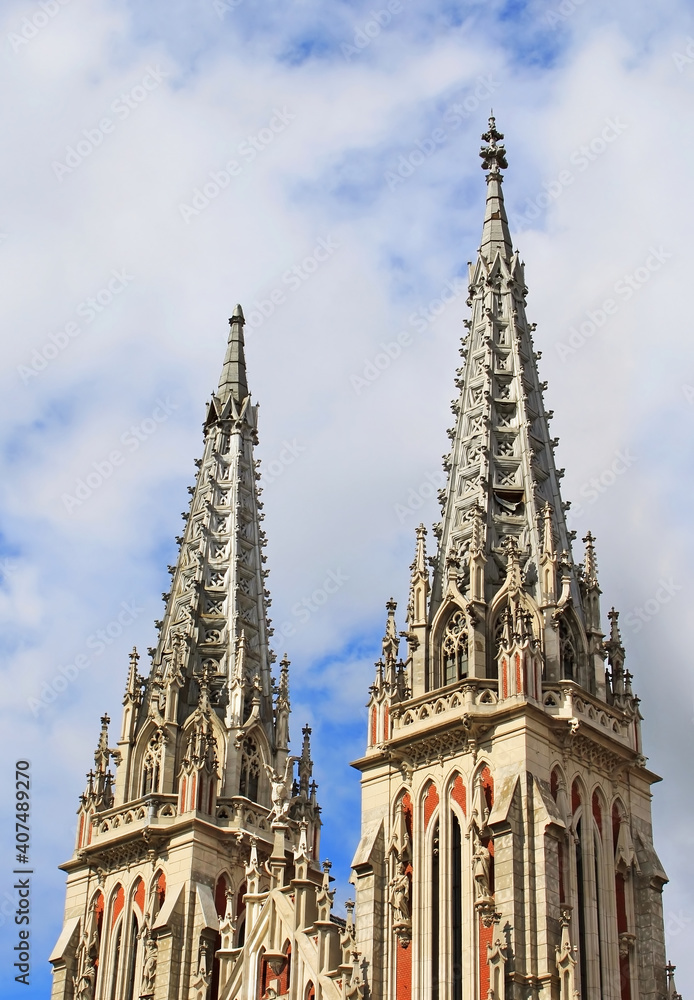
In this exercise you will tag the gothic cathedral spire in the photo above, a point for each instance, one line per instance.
(506, 844)
(203, 776)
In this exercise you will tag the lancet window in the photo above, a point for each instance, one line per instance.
(250, 769)
(454, 649)
(567, 653)
(151, 765)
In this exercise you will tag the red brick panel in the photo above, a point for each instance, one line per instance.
(597, 812)
(458, 794)
(220, 899)
(403, 972)
(430, 803)
(139, 896)
(118, 905)
(485, 938)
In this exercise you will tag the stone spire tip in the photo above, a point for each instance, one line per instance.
(233, 380)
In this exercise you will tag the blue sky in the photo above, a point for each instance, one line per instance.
(155, 101)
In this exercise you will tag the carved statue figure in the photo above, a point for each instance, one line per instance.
(84, 986)
(281, 788)
(481, 870)
(149, 967)
(400, 894)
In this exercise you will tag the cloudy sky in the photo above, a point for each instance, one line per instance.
(164, 161)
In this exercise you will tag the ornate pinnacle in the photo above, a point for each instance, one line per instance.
(548, 531)
(477, 537)
(305, 762)
(615, 635)
(283, 691)
(391, 643)
(615, 653)
(590, 564)
(513, 572)
(419, 565)
(132, 687)
(493, 155)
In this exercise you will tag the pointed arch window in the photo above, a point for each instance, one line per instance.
(454, 649)
(567, 652)
(435, 925)
(151, 764)
(250, 769)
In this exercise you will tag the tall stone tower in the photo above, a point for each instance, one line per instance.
(170, 850)
(506, 846)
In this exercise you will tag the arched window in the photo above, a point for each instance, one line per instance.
(456, 906)
(581, 892)
(250, 770)
(134, 959)
(151, 764)
(567, 652)
(435, 923)
(115, 960)
(454, 649)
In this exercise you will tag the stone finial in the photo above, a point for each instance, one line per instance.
(391, 642)
(493, 155)
(590, 565)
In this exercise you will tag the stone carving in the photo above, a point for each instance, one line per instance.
(84, 985)
(481, 870)
(400, 895)
(149, 967)
(281, 789)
